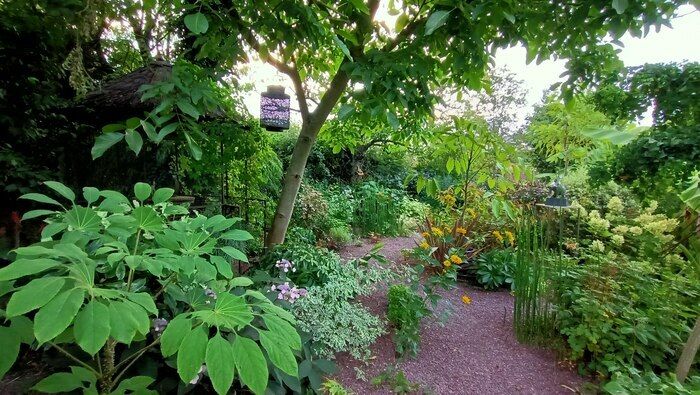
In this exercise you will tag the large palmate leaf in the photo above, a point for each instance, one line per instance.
(25, 267)
(172, 337)
(82, 218)
(279, 352)
(231, 312)
(147, 219)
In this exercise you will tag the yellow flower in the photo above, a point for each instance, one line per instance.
(424, 245)
(498, 236)
(447, 263)
(425, 234)
(437, 231)
(449, 200)
(456, 260)
(466, 299)
(471, 212)
(510, 236)
(461, 230)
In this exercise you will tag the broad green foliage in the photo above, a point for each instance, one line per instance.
(405, 311)
(557, 133)
(617, 314)
(495, 268)
(104, 271)
(466, 153)
(186, 96)
(649, 383)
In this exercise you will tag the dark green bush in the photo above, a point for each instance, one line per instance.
(495, 268)
(405, 311)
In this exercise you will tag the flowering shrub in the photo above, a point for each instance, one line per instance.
(117, 277)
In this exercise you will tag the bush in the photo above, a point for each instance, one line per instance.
(117, 277)
(618, 314)
(648, 383)
(327, 312)
(495, 268)
(405, 311)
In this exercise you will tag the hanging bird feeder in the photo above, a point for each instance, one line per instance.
(274, 109)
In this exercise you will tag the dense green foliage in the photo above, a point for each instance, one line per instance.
(405, 311)
(103, 270)
(495, 268)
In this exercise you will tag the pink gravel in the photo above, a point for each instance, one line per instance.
(474, 352)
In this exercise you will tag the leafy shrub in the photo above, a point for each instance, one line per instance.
(405, 311)
(617, 314)
(396, 380)
(495, 268)
(332, 387)
(340, 235)
(311, 209)
(335, 323)
(105, 272)
(648, 383)
(378, 209)
(413, 214)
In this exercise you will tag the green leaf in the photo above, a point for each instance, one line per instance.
(52, 229)
(59, 382)
(122, 327)
(393, 121)
(91, 194)
(25, 267)
(134, 140)
(162, 195)
(147, 219)
(436, 19)
(187, 107)
(250, 363)
(83, 218)
(166, 130)
(36, 213)
(283, 330)
(197, 23)
(280, 355)
(360, 5)
(138, 317)
(342, 47)
(61, 189)
(234, 253)
(9, 344)
(38, 197)
(345, 110)
(222, 265)
(237, 235)
(145, 300)
(220, 364)
(91, 327)
(104, 142)
(191, 353)
(620, 5)
(194, 147)
(174, 333)
(230, 312)
(57, 315)
(34, 295)
(135, 385)
(142, 191)
(241, 282)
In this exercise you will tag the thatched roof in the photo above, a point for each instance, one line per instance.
(121, 97)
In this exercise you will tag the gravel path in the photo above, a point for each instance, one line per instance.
(474, 352)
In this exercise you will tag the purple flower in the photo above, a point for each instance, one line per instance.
(288, 293)
(285, 265)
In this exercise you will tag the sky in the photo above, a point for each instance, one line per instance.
(677, 44)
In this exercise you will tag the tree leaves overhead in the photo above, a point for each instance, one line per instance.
(197, 23)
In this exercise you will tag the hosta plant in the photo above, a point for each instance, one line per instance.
(114, 278)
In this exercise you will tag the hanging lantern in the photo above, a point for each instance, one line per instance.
(274, 109)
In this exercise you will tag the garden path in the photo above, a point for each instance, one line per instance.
(473, 352)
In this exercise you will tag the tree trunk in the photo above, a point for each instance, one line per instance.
(292, 182)
(689, 351)
(311, 125)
